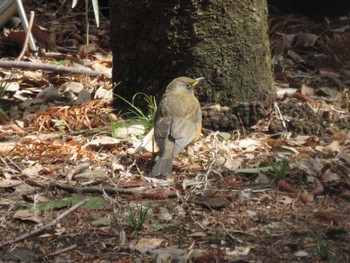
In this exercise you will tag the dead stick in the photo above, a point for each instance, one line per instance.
(77, 169)
(62, 250)
(108, 190)
(50, 224)
(29, 30)
(49, 67)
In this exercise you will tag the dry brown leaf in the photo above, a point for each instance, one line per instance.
(210, 256)
(319, 189)
(27, 215)
(146, 244)
(301, 96)
(212, 202)
(102, 69)
(7, 183)
(340, 136)
(284, 186)
(34, 75)
(333, 147)
(345, 194)
(307, 91)
(329, 216)
(45, 36)
(16, 37)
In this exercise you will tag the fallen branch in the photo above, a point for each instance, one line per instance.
(111, 191)
(49, 67)
(60, 251)
(75, 170)
(26, 40)
(50, 224)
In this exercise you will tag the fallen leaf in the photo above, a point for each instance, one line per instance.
(333, 147)
(239, 251)
(9, 183)
(148, 143)
(28, 215)
(232, 163)
(249, 144)
(306, 90)
(32, 171)
(102, 93)
(103, 141)
(127, 130)
(102, 69)
(328, 216)
(212, 202)
(73, 86)
(146, 244)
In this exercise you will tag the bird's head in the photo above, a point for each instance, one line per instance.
(184, 84)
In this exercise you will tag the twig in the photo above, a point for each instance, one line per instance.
(280, 115)
(214, 155)
(26, 40)
(77, 169)
(60, 251)
(50, 224)
(49, 67)
(110, 190)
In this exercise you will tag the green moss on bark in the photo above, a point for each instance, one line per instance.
(224, 41)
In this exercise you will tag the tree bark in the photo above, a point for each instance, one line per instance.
(226, 42)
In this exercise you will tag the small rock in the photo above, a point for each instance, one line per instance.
(83, 96)
(301, 254)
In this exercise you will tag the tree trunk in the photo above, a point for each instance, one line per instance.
(225, 42)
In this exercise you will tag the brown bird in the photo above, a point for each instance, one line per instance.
(178, 121)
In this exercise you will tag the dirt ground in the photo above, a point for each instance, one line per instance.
(75, 181)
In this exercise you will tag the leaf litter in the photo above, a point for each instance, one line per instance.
(225, 200)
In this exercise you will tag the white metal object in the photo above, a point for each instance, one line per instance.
(24, 19)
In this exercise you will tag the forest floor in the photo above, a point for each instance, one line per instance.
(75, 181)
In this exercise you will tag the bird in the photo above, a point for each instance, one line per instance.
(177, 122)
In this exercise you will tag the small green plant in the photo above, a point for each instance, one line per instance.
(114, 127)
(323, 250)
(3, 87)
(59, 124)
(279, 169)
(136, 220)
(145, 117)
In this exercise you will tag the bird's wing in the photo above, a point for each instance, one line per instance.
(183, 130)
(162, 130)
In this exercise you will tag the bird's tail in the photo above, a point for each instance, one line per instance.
(164, 164)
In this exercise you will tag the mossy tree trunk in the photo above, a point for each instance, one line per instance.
(224, 41)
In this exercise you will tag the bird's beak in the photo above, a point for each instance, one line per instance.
(197, 81)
